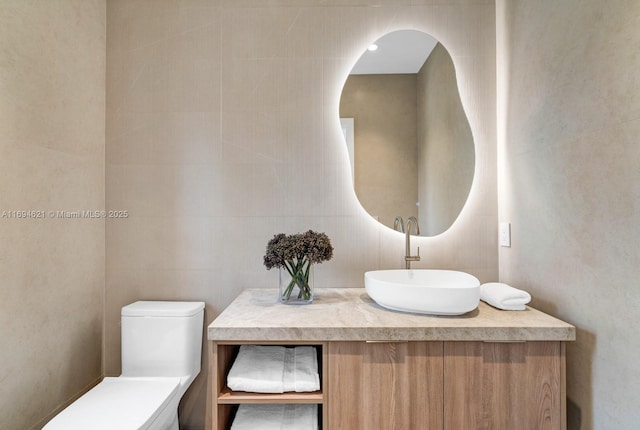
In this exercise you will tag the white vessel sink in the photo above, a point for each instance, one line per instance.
(437, 292)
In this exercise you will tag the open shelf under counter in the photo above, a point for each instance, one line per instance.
(223, 403)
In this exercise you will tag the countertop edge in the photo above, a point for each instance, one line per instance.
(453, 334)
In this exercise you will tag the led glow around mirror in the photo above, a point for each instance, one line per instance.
(413, 152)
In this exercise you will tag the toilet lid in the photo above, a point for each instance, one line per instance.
(118, 403)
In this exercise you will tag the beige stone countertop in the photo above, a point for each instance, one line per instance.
(349, 314)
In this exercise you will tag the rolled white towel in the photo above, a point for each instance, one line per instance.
(276, 417)
(503, 296)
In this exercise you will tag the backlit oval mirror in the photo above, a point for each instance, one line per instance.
(410, 143)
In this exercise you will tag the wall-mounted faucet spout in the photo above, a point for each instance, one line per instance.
(412, 222)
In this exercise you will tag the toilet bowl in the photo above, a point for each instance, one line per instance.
(123, 403)
(161, 354)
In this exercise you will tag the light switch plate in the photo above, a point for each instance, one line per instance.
(504, 234)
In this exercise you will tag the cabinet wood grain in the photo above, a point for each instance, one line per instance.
(385, 386)
(504, 386)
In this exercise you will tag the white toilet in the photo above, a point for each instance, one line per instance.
(161, 353)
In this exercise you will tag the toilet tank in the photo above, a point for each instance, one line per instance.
(162, 338)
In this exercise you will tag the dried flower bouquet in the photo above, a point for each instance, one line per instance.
(296, 253)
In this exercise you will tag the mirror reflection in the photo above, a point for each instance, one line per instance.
(412, 149)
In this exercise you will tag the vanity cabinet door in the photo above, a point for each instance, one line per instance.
(385, 386)
(504, 386)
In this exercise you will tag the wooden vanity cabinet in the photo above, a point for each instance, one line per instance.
(490, 370)
(424, 385)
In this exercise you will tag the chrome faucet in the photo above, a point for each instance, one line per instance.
(408, 258)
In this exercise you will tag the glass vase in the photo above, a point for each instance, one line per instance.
(296, 284)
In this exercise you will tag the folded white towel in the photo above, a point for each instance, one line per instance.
(289, 375)
(274, 369)
(503, 296)
(258, 369)
(306, 369)
(276, 417)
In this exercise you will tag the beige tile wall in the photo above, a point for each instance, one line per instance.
(569, 121)
(222, 130)
(52, 143)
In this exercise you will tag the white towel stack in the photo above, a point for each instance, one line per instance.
(276, 417)
(274, 369)
(503, 296)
